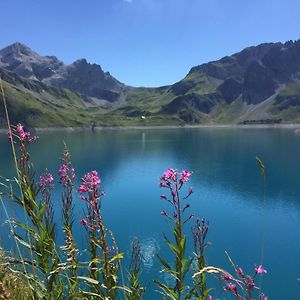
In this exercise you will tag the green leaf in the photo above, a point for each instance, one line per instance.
(21, 241)
(168, 291)
(83, 293)
(124, 288)
(172, 246)
(164, 263)
(117, 257)
(168, 268)
(88, 279)
(40, 213)
(183, 243)
(26, 227)
(186, 266)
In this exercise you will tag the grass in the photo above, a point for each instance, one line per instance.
(11, 285)
(202, 84)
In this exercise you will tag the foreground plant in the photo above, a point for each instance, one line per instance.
(200, 230)
(173, 181)
(39, 227)
(136, 290)
(243, 286)
(104, 264)
(10, 283)
(67, 176)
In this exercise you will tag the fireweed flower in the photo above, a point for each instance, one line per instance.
(239, 272)
(23, 136)
(246, 282)
(90, 183)
(17, 133)
(45, 181)
(66, 175)
(231, 287)
(185, 176)
(90, 192)
(174, 181)
(249, 284)
(259, 269)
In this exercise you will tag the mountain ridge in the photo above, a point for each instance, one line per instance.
(256, 84)
(80, 76)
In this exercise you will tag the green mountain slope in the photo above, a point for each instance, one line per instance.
(260, 84)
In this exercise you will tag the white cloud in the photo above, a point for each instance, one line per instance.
(128, 1)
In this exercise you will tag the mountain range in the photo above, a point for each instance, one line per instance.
(260, 84)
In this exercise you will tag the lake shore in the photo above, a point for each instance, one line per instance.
(98, 128)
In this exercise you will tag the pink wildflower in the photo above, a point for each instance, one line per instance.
(259, 269)
(250, 284)
(90, 182)
(185, 176)
(83, 222)
(22, 135)
(45, 181)
(231, 287)
(227, 277)
(239, 272)
(73, 173)
(63, 172)
(168, 175)
(262, 296)
(66, 174)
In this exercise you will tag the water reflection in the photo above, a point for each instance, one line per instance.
(149, 249)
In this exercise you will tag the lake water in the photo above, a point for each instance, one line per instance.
(227, 184)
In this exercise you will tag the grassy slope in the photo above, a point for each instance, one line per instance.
(38, 105)
(43, 109)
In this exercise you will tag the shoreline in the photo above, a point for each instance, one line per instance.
(101, 128)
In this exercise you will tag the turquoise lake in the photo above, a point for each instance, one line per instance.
(227, 185)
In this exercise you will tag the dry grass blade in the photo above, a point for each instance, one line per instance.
(212, 270)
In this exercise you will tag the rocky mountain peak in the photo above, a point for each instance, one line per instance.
(80, 76)
(17, 49)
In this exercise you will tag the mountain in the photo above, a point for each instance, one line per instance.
(80, 76)
(260, 84)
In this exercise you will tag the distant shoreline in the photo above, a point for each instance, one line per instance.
(101, 128)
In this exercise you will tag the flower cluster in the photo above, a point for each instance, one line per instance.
(174, 181)
(185, 176)
(45, 181)
(172, 176)
(22, 135)
(90, 182)
(244, 281)
(90, 192)
(66, 174)
(259, 269)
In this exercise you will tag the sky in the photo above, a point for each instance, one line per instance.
(147, 42)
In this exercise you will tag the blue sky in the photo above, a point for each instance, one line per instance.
(147, 42)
